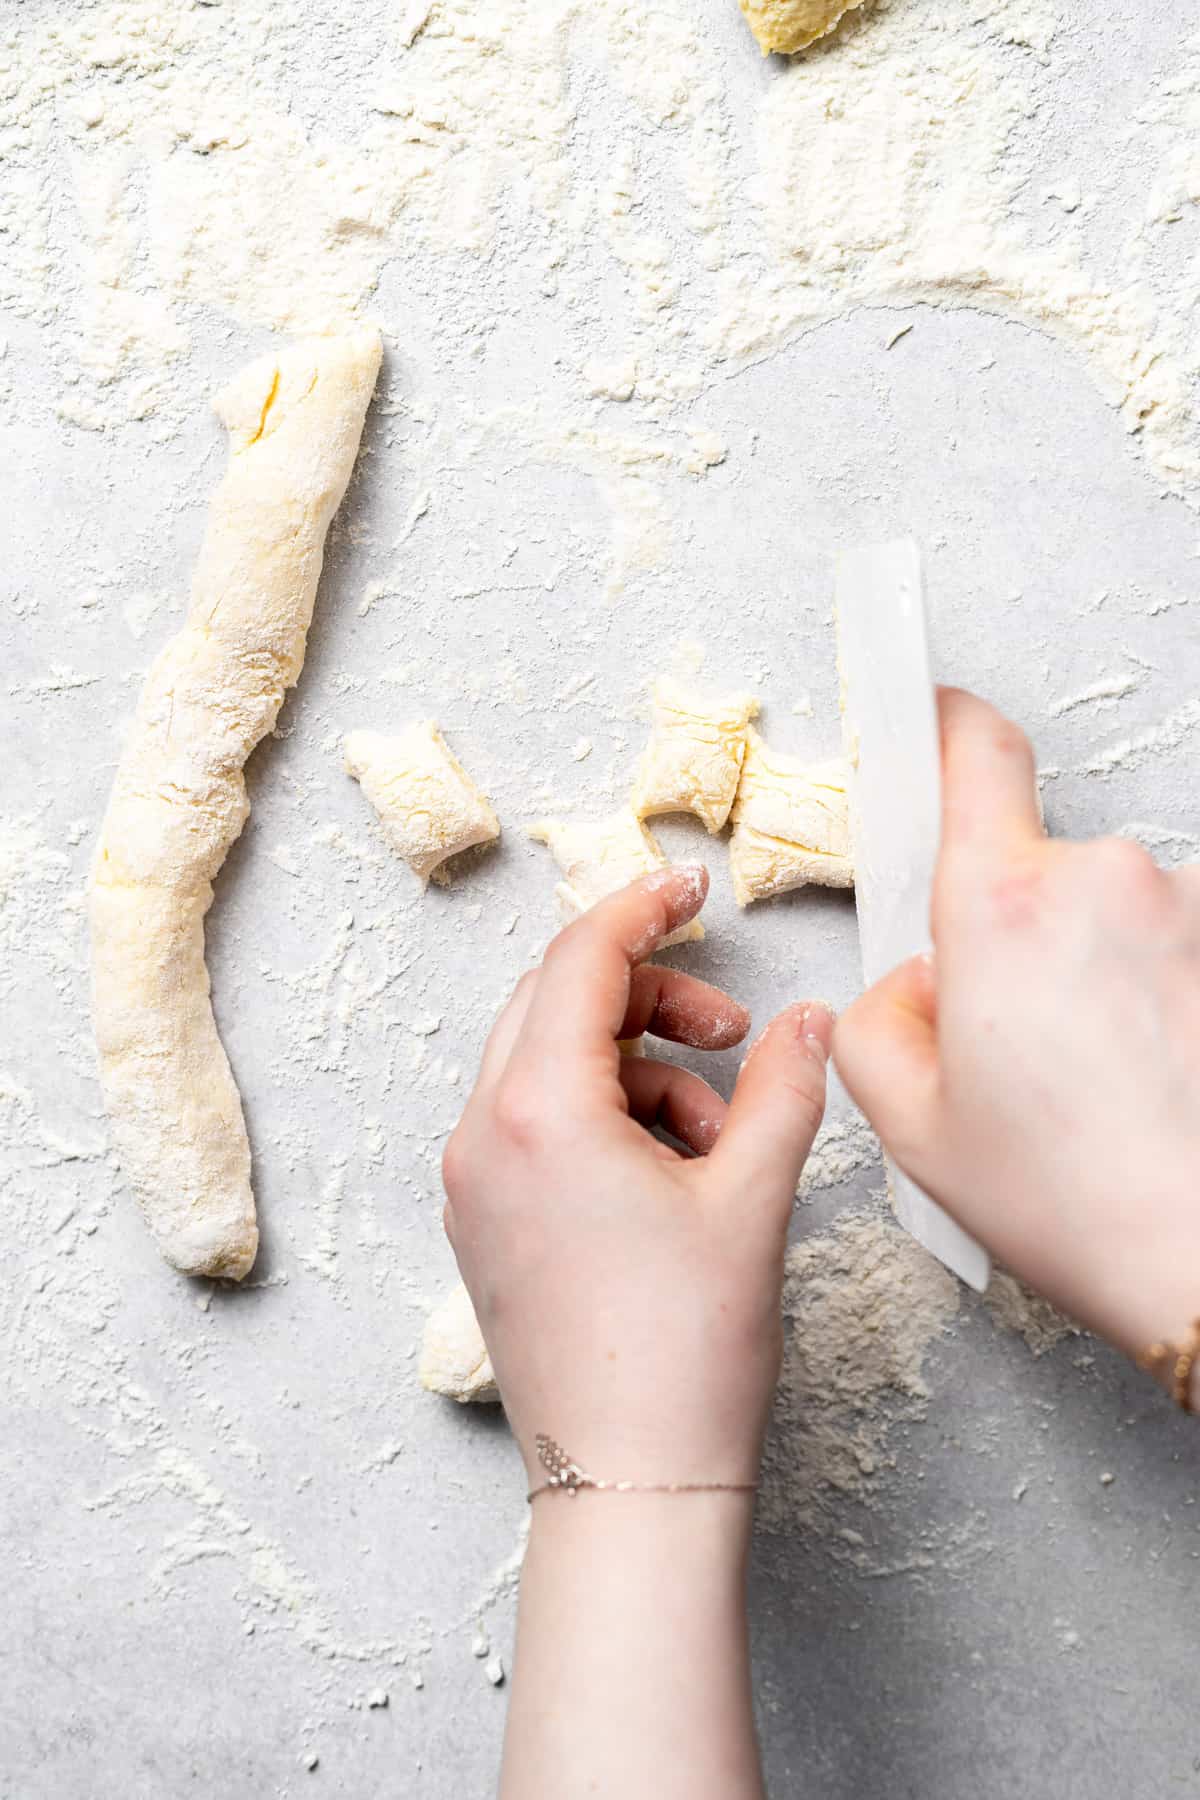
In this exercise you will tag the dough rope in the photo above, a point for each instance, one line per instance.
(599, 858)
(790, 25)
(694, 758)
(791, 825)
(428, 805)
(179, 797)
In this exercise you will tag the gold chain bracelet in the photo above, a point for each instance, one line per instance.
(1179, 1362)
(564, 1476)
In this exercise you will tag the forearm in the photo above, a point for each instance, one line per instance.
(632, 1665)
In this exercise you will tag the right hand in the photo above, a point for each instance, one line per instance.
(1040, 1075)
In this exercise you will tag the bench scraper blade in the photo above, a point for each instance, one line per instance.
(890, 731)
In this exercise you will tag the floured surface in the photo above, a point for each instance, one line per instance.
(641, 292)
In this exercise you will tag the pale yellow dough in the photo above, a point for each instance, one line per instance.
(179, 798)
(791, 824)
(427, 803)
(789, 25)
(694, 757)
(599, 858)
(454, 1358)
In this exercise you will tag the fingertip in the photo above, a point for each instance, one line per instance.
(659, 1093)
(989, 787)
(779, 1099)
(808, 1024)
(681, 890)
(728, 1029)
(818, 1027)
(886, 1052)
(687, 884)
(671, 1004)
(952, 704)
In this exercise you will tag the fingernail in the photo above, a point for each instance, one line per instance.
(816, 1025)
(695, 875)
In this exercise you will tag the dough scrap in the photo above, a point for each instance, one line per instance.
(454, 1358)
(791, 824)
(179, 797)
(427, 803)
(790, 25)
(694, 757)
(598, 859)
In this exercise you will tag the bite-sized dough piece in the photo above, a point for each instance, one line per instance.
(454, 1358)
(791, 825)
(694, 757)
(789, 25)
(179, 797)
(427, 803)
(598, 859)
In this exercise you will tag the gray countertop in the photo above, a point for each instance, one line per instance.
(233, 1520)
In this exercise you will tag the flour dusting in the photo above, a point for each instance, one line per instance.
(863, 1306)
(635, 287)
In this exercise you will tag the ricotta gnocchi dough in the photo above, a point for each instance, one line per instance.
(179, 797)
(428, 805)
(791, 824)
(454, 1358)
(789, 25)
(694, 757)
(597, 859)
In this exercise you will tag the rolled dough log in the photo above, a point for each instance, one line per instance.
(179, 798)
(789, 25)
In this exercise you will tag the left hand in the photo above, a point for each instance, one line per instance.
(628, 1291)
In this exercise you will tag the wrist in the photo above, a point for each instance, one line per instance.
(675, 1529)
(632, 1657)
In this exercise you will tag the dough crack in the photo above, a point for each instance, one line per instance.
(268, 403)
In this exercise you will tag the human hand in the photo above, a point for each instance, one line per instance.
(1040, 1076)
(628, 1293)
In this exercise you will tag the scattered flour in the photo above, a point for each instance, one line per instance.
(1017, 1308)
(843, 1148)
(889, 181)
(1109, 687)
(598, 182)
(888, 173)
(1169, 735)
(1173, 849)
(863, 1305)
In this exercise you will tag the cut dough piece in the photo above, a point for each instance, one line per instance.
(694, 757)
(600, 858)
(791, 825)
(789, 25)
(179, 797)
(454, 1358)
(427, 803)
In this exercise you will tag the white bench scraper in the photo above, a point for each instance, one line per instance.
(890, 731)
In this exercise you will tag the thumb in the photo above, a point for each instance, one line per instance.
(885, 1049)
(778, 1103)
